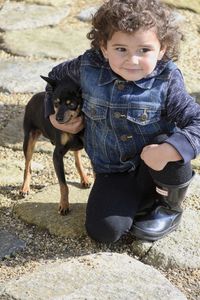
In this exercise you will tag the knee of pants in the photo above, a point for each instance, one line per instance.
(108, 230)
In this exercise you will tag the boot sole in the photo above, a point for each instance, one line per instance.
(144, 235)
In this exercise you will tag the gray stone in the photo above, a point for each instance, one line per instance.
(19, 15)
(41, 209)
(11, 172)
(51, 2)
(179, 249)
(87, 14)
(9, 244)
(97, 277)
(178, 18)
(22, 76)
(47, 42)
(193, 5)
(12, 137)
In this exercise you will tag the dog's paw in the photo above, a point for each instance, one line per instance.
(63, 211)
(85, 184)
(23, 194)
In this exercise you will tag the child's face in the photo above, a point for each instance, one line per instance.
(133, 56)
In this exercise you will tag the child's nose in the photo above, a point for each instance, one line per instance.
(134, 59)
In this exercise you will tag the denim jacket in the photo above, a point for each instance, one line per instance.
(121, 117)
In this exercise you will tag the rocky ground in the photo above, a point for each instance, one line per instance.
(41, 246)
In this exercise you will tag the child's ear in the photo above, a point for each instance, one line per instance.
(162, 52)
(49, 81)
(104, 51)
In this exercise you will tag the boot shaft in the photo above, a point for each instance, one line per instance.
(172, 196)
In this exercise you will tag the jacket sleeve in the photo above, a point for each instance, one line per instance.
(185, 112)
(69, 68)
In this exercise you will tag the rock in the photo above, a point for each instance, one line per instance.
(19, 15)
(9, 244)
(179, 249)
(178, 18)
(22, 76)
(87, 14)
(12, 137)
(41, 209)
(99, 276)
(47, 42)
(11, 172)
(193, 5)
(56, 3)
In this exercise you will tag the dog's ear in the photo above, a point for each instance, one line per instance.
(49, 81)
(79, 93)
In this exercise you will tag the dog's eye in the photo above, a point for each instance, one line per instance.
(71, 104)
(56, 102)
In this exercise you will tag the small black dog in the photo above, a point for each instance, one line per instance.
(67, 102)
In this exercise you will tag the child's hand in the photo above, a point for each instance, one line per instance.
(157, 156)
(73, 126)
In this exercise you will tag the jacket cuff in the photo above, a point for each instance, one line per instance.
(182, 145)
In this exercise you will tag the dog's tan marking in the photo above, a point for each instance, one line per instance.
(55, 109)
(56, 103)
(79, 166)
(64, 203)
(25, 189)
(65, 137)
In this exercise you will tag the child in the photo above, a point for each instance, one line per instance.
(141, 127)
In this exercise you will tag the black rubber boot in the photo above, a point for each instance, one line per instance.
(165, 214)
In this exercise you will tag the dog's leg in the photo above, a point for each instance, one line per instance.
(59, 168)
(30, 140)
(79, 166)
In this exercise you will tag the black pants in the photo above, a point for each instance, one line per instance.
(115, 198)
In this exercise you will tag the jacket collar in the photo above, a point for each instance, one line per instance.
(107, 75)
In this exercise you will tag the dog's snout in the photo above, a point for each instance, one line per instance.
(60, 113)
(63, 116)
(59, 118)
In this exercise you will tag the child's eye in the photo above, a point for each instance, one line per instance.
(144, 50)
(121, 49)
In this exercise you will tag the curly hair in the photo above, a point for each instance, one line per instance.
(130, 15)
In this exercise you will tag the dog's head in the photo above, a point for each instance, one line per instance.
(67, 99)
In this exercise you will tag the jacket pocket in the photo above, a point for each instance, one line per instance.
(143, 116)
(94, 111)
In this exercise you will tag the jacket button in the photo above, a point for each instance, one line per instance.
(143, 117)
(125, 137)
(126, 158)
(120, 86)
(117, 115)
